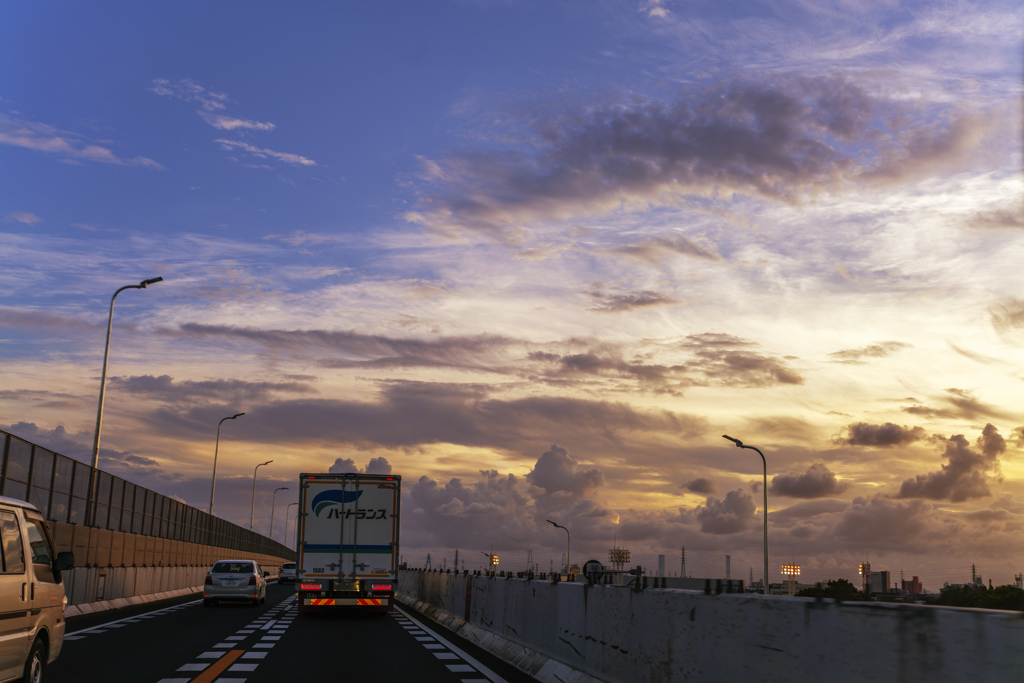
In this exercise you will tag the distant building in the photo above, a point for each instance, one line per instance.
(783, 588)
(913, 587)
(879, 582)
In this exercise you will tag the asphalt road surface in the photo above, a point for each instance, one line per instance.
(187, 643)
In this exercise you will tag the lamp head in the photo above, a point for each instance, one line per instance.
(234, 416)
(151, 281)
(735, 441)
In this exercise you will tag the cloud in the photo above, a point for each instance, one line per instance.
(264, 153)
(211, 105)
(962, 404)
(222, 122)
(731, 515)
(190, 91)
(378, 466)
(23, 217)
(710, 360)
(72, 147)
(779, 138)
(700, 485)
(28, 319)
(618, 303)
(885, 435)
(455, 515)
(557, 472)
(805, 512)
(816, 482)
(654, 8)
(408, 415)
(657, 250)
(707, 360)
(965, 476)
(1008, 315)
(1011, 217)
(343, 465)
(375, 466)
(879, 523)
(165, 388)
(880, 350)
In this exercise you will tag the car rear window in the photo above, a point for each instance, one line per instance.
(232, 568)
(288, 565)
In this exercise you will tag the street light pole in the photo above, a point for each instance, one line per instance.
(273, 504)
(90, 513)
(568, 548)
(216, 448)
(286, 512)
(252, 508)
(765, 489)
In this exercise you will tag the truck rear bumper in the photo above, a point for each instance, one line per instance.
(374, 604)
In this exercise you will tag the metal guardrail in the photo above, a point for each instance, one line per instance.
(59, 487)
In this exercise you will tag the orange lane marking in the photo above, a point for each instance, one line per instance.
(218, 667)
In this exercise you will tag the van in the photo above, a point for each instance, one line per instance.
(31, 593)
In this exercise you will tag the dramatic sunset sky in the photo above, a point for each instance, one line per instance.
(537, 257)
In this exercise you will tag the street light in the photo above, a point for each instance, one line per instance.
(568, 548)
(90, 513)
(252, 507)
(286, 511)
(272, 505)
(216, 448)
(765, 463)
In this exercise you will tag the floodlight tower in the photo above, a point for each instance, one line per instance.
(791, 571)
(865, 571)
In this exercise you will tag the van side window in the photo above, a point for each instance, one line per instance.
(11, 547)
(42, 548)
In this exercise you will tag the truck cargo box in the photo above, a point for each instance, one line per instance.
(348, 541)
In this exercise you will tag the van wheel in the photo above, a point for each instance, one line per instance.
(35, 663)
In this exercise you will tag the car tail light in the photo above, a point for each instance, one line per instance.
(380, 586)
(252, 580)
(209, 580)
(311, 586)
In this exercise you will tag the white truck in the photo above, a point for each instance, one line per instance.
(348, 541)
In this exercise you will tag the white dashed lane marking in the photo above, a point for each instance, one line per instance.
(278, 619)
(432, 641)
(102, 628)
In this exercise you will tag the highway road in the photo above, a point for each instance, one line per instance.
(187, 643)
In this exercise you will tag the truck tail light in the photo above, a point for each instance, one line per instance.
(310, 586)
(380, 586)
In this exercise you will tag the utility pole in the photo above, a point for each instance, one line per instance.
(456, 559)
(682, 571)
(728, 567)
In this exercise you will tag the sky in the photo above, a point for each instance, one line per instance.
(537, 258)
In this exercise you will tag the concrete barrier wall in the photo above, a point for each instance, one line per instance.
(110, 565)
(616, 634)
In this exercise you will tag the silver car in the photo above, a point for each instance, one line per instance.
(241, 580)
(286, 572)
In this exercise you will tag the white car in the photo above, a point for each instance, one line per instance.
(241, 580)
(286, 572)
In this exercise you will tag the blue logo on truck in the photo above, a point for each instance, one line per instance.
(326, 500)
